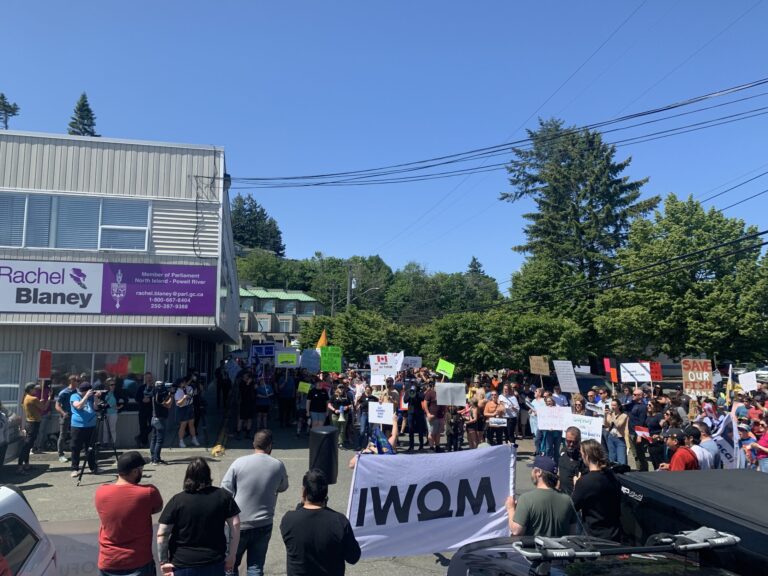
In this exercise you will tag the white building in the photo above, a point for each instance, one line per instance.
(117, 256)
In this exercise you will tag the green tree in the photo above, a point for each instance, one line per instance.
(7, 110)
(717, 307)
(584, 208)
(83, 122)
(252, 227)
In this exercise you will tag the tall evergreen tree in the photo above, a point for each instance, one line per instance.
(83, 122)
(7, 110)
(253, 227)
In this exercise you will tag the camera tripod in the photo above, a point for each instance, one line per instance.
(95, 444)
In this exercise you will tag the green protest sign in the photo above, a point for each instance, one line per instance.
(289, 359)
(330, 359)
(445, 368)
(304, 387)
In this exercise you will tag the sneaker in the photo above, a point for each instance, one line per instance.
(74, 474)
(63, 458)
(194, 441)
(181, 444)
(161, 462)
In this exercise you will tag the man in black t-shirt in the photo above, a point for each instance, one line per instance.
(317, 405)
(162, 397)
(570, 463)
(318, 540)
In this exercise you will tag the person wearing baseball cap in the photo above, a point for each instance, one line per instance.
(125, 510)
(543, 511)
(683, 458)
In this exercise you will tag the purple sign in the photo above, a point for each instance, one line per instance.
(159, 290)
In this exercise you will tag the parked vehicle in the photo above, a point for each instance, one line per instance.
(24, 547)
(762, 374)
(569, 555)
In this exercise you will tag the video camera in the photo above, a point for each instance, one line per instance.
(99, 391)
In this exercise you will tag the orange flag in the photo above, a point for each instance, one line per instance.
(323, 340)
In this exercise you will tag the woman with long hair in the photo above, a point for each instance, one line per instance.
(190, 539)
(616, 433)
(473, 436)
(597, 495)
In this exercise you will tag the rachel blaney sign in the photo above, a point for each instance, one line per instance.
(107, 288)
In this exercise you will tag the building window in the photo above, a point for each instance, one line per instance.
(308, 308)
(289, 307)
(262, 325)
(73, 222)
(17, 542)
(285, 326)
(128, 368)
(268, 306)
(10, 378)
(246, 304)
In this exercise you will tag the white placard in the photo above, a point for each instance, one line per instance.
(380, 413)
(407, 505)
(378, 381)
(451, 394)
(553, 417)
(566, 377)
(294, 361)
(597, 408)
(748, 381)
(385, 364)
(591, 427)
(635, 372)
(411, 362)
(582, 369)
(50, 287)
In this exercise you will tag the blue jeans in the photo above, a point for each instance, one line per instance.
(362, 440)
(158, 437)
(216, 569)
(762, 465)
(550, 443)
(617, 449)
(254, 541)
(147, 570)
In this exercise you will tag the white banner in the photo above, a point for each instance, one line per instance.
(413, 362)
(50, 287)
(380, 413)
(406, 505)
(635, 372)
(748, 381)
(566, 377)
(553, 417)
(591, 427)
(385, 364)
(450, 394)
(727, 438)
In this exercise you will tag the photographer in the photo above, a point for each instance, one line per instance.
(162, 399)
(113, 404)
(83, 425)
(184, 398)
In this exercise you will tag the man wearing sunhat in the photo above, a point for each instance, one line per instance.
(125, 510)
(543, 511)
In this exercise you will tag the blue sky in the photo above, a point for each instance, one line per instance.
(300, 87)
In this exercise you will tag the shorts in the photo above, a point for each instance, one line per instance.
(436, 425)
(261, 409)
(184, 413)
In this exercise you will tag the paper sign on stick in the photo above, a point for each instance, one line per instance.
(635, 372)
(539, 365)
(380, 413)
(411, 362)
(450, 394)
(697, 376)
(748, 381)
(445, 368)
(304, 387)
(330, 359)
(566, 377)
(287, 358)
(553, 417)
(591, 427)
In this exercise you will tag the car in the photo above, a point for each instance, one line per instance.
(570, 555)
(24, 547)
(762, 374)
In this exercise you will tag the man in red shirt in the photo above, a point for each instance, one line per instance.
(683, 458)
(125, 509)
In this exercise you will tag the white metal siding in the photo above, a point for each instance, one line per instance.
(185, 228)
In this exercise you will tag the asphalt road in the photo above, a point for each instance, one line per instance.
(67, 514)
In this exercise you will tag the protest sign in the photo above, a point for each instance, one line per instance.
(378, 380)
(566, 377)
(310, 361)
(635, 372)
(539, 365)
(585, 369)
(380, 413)
(553, 417)
(748, 381)
(407, 505)
(497, 422)
(385, 364)
(411, 362)
(304, 387)
(445, 368)
(591, 427)
(330, 359)
(597, 408)
(450, 394)
(656, 373)
(286, 357)
(611, 369)
(697, 376)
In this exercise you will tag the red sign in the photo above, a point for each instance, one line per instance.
(46, 365)
(612, 369)
(697, 376)
(656, 373)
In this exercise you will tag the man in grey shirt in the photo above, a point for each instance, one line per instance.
(255, 481)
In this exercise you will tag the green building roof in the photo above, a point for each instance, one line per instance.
(275, 293)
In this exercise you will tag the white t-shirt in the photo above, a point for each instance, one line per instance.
(180, 394)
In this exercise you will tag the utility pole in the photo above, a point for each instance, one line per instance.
(349, 286)
(333, 300)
